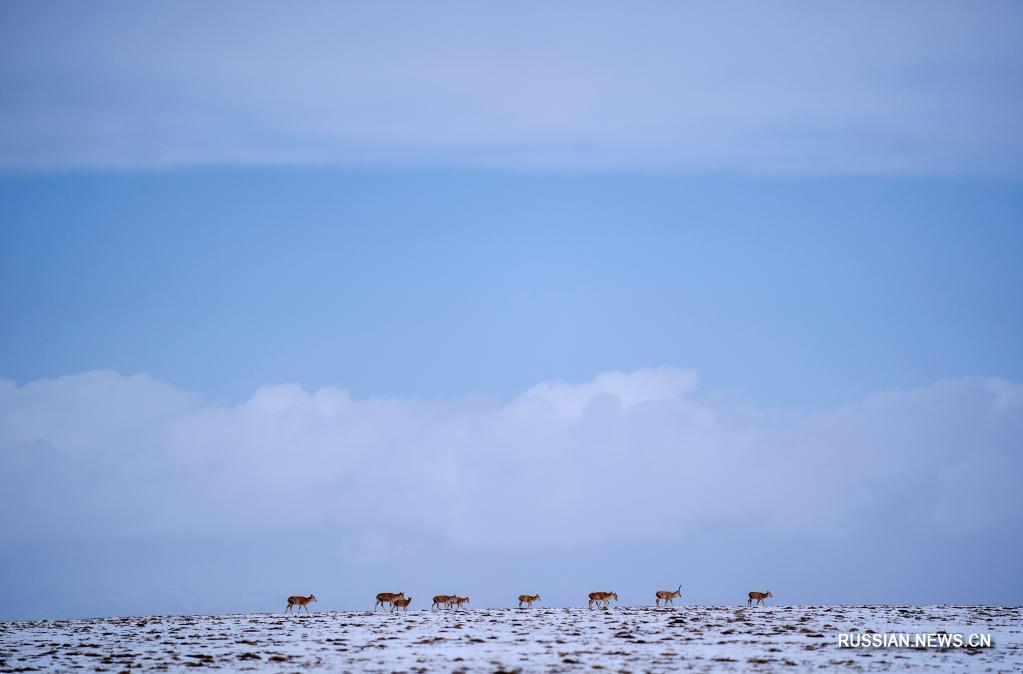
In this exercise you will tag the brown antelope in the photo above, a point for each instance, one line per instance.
(457, 601)
(667, 596)
(528, 600)
(400, 602)
(386, 598)
(300, 602)
(442, 600)
(759, 596)
(600, 597)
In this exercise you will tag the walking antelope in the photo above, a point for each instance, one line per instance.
(442, 600)
(300, 602)
(667, 596)
(386, 598)
(458, 601)
(759, 596)
(602, 597)
(400, 603)
(528, 600)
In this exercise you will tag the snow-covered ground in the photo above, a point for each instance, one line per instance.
(689, 638)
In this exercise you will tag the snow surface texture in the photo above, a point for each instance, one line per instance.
(693, 638)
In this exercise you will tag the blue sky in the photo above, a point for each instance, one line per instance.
(438, 283)
(787, 291)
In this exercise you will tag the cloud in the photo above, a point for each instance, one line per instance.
(786, 87)
(624, 456)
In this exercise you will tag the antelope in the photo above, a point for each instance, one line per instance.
(458, 601)
(599, 597)
(442, 600)
(667, 596)
(759, 596)
(386, 598)
(528, 600)
(300, 602)
(400, 602)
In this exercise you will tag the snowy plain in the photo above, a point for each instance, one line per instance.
(621, 639)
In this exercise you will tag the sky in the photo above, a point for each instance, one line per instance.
(503, 299)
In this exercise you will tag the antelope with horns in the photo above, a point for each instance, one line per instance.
(602, 597)
(400, 603)
(759, 596)
(667, 596)
(387, 598)
(442, 600)
(528, 600)
(300, 602)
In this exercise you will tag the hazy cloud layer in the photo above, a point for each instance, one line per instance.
(620, 457)
(780, 87)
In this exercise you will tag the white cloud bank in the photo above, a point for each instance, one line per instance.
(622, 456)
(884, 87)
